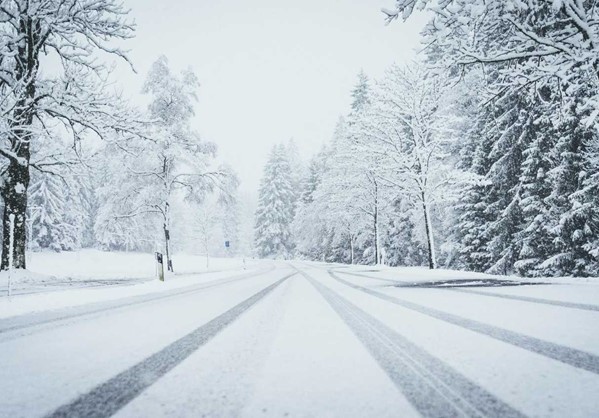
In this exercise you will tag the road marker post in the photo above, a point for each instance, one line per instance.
(11, 249)
(159, 266)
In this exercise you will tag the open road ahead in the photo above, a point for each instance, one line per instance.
(309, 340)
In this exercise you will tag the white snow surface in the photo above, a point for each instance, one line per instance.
(292, 353)
(88, 276)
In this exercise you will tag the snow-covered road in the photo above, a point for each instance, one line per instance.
(306, 339)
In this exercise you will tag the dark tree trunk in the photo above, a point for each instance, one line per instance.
(14, 194)
(167, 239)
(429, 233)
(16, 175)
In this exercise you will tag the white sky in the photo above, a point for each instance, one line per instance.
(269, 70)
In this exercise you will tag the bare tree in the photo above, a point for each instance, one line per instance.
(171, 160)
(66, 37)
(520, 43)
(405, 129)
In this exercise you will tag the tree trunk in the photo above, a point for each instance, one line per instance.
(432, 262)
(14, 194)
(14, 190)
(207, 255)
(351, 248)
(167, 238)
(376, 236)
(16, 175)
(376, 225)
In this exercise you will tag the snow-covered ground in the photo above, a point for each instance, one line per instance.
(304, 339)
(95, 264)
(59, 280)
(50, 271)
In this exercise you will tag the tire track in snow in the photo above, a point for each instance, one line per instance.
(571, 305)
(375, 278)
(571, 356)
(107, 398)
(432, 387)
(18, 326)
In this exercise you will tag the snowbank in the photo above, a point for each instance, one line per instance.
(86, 264)
(89, 276)
(424, 274)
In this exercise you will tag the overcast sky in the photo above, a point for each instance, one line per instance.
(269, 70)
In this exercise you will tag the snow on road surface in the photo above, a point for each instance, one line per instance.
(304, 339)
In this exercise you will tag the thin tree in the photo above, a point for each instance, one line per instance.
(171, 160)
(404, 128)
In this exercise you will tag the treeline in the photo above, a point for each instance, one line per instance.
(484, 156)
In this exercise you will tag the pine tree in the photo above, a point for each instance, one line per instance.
(572, 228)
(511, 132)
(360, 93)
(535, 236)
(472, 214)
(587, 207)
(309, 225)
(402, 245)
(275, 208)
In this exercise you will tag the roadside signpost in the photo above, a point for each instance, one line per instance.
(228, 248)
(11, 249)
(159, 266)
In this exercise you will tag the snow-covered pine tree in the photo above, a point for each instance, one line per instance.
(313, 176)
(403, 248)
(309, 227)
(572, 228)
(296, 165)
(274, 214)
(586, 204)
(510, 131)
(360, 93)
(535, 237)
(534, 50)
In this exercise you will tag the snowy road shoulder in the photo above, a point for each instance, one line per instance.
(30, 303)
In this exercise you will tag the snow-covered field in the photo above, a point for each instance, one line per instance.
(95, 264)
(302, 339)
(87, 276)
(87, 268)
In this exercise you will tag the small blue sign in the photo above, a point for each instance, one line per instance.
(227, 244)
